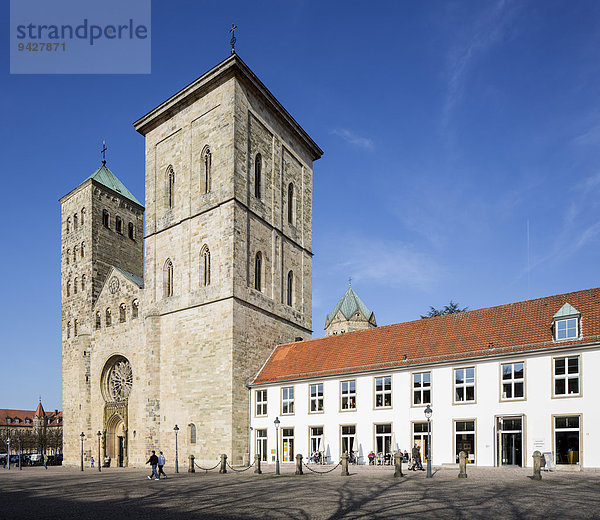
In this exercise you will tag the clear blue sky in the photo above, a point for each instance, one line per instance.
(446, 126)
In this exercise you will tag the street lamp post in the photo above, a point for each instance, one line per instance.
(176, 430)
(8, 450)
(99, 461)
(277, 422)
(20, 454)
(428, 414)
(82, 437)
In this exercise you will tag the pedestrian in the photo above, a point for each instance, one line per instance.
(4, 462)
(161, 463)
(91, 462)
(45, 461)
(153, 461)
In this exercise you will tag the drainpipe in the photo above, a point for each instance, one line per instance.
(249, 425)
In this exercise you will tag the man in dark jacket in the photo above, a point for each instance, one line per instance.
(416, 455)
(153, 461)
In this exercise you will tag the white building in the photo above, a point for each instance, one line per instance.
(502, 382)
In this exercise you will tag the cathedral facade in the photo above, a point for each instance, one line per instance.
(171, 308)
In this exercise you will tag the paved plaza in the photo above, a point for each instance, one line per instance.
(60, 492)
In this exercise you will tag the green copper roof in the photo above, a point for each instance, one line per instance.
(349, 304)
(566, 310)
(107, 178)
(137, 280)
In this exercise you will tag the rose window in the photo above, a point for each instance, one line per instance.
(120, 381)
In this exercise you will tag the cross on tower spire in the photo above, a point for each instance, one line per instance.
(233, 40)
(350, 281)
(103, 151)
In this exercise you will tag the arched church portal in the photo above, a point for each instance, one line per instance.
(116, 384)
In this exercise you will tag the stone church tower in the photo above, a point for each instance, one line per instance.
(349, 315)
(227, 274)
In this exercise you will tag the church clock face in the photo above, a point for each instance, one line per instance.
(113, 285)
(120, 381)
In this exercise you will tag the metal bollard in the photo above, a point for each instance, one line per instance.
(223, 468)
(345, 465)
(398, 464)
(462, 464)
(537, 465)
(191, 468)
(299, 464)
(257, 469)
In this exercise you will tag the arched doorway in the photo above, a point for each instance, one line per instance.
(116, 440)
(116, 383)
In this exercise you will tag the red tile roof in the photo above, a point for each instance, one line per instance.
(511, 328)
(53, 418)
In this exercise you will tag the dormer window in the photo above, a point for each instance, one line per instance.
(8, 420)
(566, 329)
(566, 323)
(17, 420)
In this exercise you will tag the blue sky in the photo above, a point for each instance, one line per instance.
(449, 130)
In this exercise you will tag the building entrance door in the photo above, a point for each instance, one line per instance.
(510, 441)
(121, 452)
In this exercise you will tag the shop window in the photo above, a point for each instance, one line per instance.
(465, 439)
(567, 439)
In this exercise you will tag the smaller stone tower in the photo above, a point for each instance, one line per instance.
(102, 226)
(349, 315)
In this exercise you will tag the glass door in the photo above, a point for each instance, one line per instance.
(510, 441)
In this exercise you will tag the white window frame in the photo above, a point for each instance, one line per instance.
(464, 385)
(566, 321)
(317, 399)
(422, 389)
(261, 440)
(315, 442)
(383, 392)
(287, 400)
(261, 403)
(566, 376)
(348, 395)
(512, 381)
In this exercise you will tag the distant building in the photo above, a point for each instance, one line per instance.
(39, 431)
(349, 315)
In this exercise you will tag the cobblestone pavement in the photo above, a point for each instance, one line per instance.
(35, 493)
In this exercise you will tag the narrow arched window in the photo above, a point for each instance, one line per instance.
(98, 320)
(135, 309)
(131, 231)
(107, 318)
(118, 225)
(75, 328)
(82, 249)
(75, 282)
(83, 280)
(192, 434)
(122, 313)
(170, 187)
(258, 176)
(290, 208)
(68, 329)
(290, 288)
(105, 219)
(82, 216)
(168, 278)
(258, 261)
(205, 259)
(75, 222)
(68, 225)
(69, 288)
(207, 166)
(68, 256)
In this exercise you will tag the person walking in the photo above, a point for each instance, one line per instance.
(91, 462)
(416, 458)
(161, 463)
(45, 461)
(153, 461)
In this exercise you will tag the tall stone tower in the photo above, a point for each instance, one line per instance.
(102, 226)
(228, 256)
